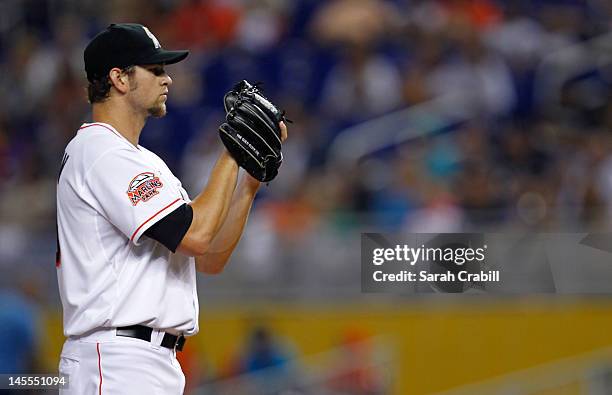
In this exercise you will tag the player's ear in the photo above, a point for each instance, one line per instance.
(119, 79)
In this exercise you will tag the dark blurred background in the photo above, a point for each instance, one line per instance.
(409, 116)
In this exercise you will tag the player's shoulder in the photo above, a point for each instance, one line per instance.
(153, 156)
(150, 153)
(94, 140)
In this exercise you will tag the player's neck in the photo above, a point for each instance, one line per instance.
(128, 125)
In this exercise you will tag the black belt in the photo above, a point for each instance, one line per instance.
(144, 333)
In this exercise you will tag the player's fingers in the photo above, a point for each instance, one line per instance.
(283, 129)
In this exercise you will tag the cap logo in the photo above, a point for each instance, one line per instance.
(152, 37)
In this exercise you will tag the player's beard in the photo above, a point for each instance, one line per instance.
(157, 111)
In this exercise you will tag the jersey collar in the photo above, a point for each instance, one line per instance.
(109, 128)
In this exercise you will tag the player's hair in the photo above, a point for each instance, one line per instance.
(98, 90)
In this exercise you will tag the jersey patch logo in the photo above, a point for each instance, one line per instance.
(143, 187)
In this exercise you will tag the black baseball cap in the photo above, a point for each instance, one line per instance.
(125, 44)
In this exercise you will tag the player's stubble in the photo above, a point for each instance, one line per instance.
(157, 110)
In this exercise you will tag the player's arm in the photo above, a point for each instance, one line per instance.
(210, 207)
(226, 240)
(211, 256)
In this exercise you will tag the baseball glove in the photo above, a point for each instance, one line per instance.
(251, 132)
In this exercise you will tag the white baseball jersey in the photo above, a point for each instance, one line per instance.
(109, 193)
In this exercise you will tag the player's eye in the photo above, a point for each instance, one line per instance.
(157, 70)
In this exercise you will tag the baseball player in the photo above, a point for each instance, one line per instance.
(129, 238)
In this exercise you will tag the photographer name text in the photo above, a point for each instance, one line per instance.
(424, 275)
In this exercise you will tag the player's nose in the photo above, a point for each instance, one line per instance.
(167, 80)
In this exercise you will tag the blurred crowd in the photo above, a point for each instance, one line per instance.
(408, 115)
(529, 80)
(357, 364)
(522, 141)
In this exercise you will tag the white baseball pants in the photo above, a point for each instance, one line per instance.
(102, 363)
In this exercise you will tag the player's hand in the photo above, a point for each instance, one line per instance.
(283, 129)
